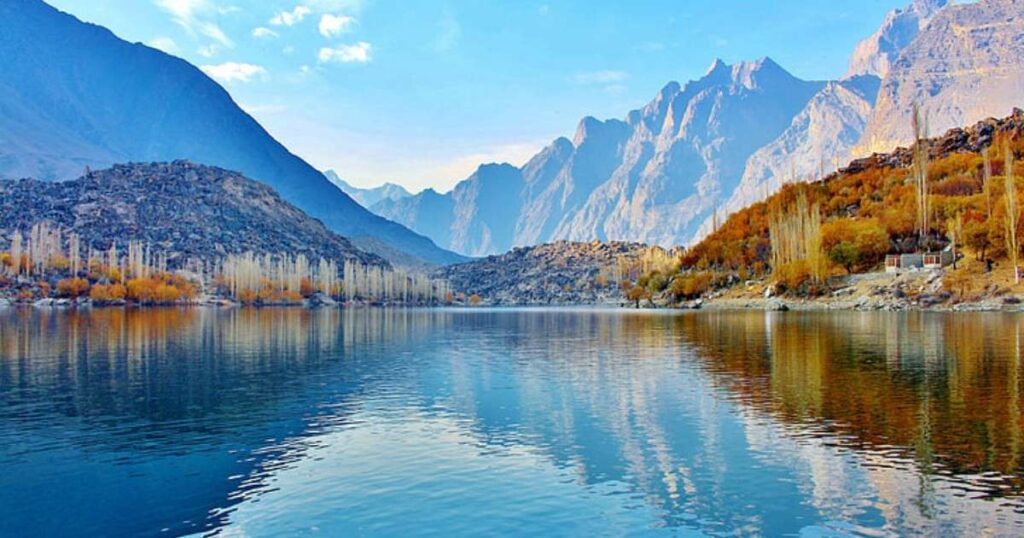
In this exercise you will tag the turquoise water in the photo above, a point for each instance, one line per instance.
(374, 422)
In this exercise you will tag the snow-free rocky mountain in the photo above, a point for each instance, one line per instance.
(73, 95)
(668, 171)
(368, 197)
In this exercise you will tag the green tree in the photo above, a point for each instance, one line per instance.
(846, 255)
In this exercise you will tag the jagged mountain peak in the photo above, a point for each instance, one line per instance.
(591, 129)
(752, 74)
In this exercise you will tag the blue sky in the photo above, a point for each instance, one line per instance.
(419, 92)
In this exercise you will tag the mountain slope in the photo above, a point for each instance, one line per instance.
(823, 132)
(74, 95)
(368, 197)
(185, 210)
(964, 66)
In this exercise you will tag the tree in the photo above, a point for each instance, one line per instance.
(976, 238)
(920, 172)
(846, 255)
(855, 243)
(1012, 215)
(637, 293)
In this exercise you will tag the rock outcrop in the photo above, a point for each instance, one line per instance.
(184, 210)
(562, 272)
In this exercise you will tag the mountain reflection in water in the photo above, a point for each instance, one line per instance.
(384, 422)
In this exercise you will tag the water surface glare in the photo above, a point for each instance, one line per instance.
(381, 422)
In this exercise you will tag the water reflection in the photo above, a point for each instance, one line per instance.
(555, 422)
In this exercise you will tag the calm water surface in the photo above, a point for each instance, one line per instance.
(514, 422)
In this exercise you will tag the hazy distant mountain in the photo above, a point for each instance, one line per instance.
(967, 64)
(74, 95)
(651, 177)
(876, 53)
(368, 197)
(473, 219)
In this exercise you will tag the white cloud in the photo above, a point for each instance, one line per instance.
(262, 32)
(357, 53)
(234, 72)
(291, 18)
(165, 44)
(544, 10)
(599, 77)
(332, 25)
(192, 15)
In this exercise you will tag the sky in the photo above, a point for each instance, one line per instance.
(421, 92)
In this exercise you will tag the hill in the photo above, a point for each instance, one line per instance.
(184, 210)
(562, 272)
(74, 95)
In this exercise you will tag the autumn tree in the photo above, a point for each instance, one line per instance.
(1012, 213)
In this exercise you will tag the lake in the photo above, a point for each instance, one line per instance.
(405, 422)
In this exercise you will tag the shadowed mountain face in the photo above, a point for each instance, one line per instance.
(74, 95)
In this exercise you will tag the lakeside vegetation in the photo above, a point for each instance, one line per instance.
(48, 264)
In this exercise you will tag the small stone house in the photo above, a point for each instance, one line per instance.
(896, 263)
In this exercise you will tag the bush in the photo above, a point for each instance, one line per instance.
(72, 287)
(107, 293)
(691, 286)
(166, 294)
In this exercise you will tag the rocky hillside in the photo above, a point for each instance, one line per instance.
(185, 210)
(562, 272)
(73, 95)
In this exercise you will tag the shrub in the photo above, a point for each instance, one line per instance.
(166, 294)
(72, 287)
(691, 286)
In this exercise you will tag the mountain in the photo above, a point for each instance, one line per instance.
(876, 53)
(966, 64)
(668, 172)
(185, 210)
(74, 95)
(368, 197)
(472, 219)
(650, 177)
